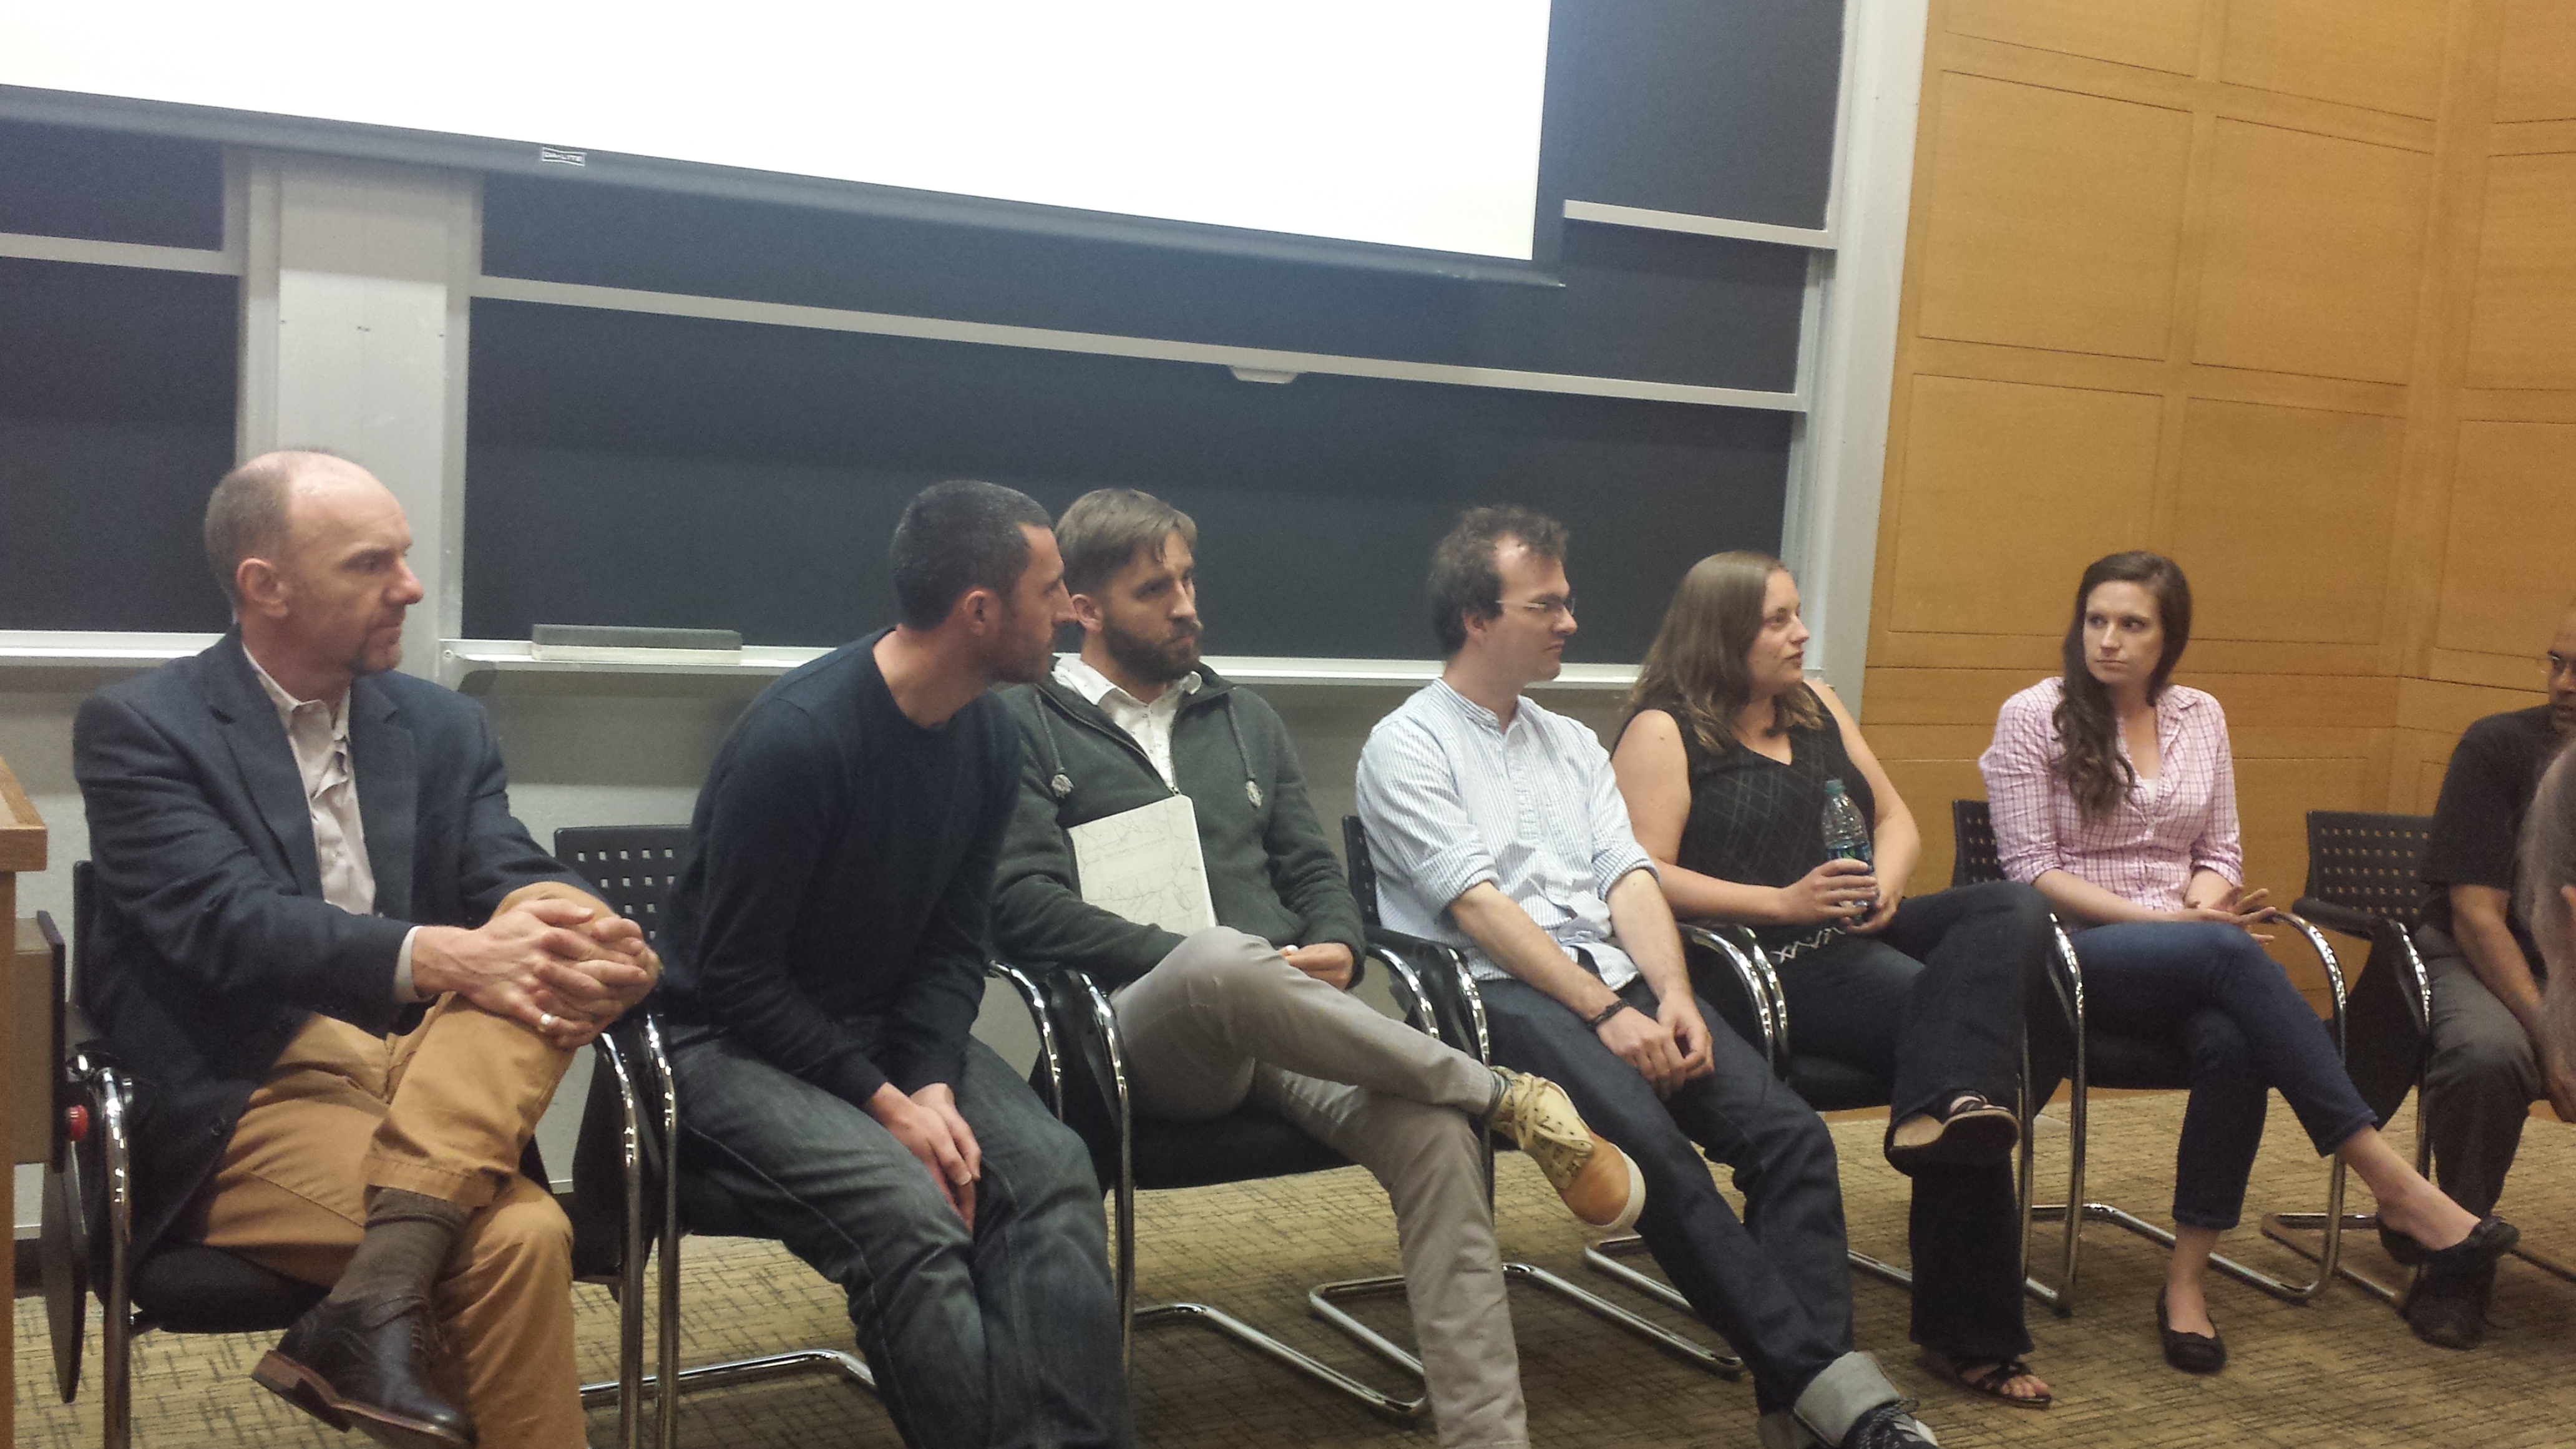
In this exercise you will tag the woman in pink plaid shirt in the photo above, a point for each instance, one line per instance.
(2112, 791)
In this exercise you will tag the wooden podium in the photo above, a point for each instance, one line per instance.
(22, 848)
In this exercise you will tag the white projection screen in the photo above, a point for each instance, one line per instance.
(1411, 123)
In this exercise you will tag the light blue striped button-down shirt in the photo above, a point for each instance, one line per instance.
(1452, 799)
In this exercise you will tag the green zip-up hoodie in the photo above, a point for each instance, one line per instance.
(1270, 867)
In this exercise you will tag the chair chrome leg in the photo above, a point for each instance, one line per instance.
(2279, 1226)
(1603, 1258)
(2252, 1277)
(1325, 1302)
(1217, 1320)
(750, 1370)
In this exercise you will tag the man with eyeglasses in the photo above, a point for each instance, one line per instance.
(2490, 1059)
(1496, 827)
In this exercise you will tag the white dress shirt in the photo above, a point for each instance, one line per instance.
(319, 734)
(1149, 725)
(1451, 798)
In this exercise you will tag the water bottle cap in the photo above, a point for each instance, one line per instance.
(1833, 787)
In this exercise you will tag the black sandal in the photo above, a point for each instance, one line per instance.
(1971, 1132)
(2490, 1240)
(1992, 1382)
(2193, 1353)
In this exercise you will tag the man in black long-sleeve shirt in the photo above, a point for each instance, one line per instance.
(825, 946)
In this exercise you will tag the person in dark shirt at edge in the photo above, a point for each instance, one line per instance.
(2489, 1058)
(1256, 1008)
(826, 943)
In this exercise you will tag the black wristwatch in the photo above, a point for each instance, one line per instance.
(1607, 1012)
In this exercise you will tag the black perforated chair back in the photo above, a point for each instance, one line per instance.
(2369, 864)
(180, 1287)
(1355, 855)
(631, 866)
(1978, 860)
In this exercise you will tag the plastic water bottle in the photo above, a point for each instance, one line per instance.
(1846, 834)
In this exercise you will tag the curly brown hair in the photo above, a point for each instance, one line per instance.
(2095, 772)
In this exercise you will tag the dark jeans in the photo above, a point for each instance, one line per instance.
(1006, 1336)
(1935, 1004)
(1776, 1283)
(2244, 1028)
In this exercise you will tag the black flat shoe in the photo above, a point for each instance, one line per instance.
(2193, 1353)
(2490, 1240)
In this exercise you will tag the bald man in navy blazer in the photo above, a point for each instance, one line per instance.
(344, 979)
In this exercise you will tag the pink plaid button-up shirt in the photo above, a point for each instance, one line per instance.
(2164, 832)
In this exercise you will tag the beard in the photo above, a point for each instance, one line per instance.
(1019, 661)
(1160, 661)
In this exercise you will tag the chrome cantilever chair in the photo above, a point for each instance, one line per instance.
(629, 1201)
(2102, 1058)
(2366, 879)
(1448, 991)
(1131, 1153)
(1750, 996)
(86, 1214)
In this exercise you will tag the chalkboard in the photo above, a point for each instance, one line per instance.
(637, 469)
(751, 474)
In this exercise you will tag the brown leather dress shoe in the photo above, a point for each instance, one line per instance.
(368, 1364)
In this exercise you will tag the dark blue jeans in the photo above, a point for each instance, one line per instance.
(1934, 1004)
(1004, 1337)
(1775, 1284)
(2245, 1029)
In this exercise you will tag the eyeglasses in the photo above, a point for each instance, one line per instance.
(1548, 609)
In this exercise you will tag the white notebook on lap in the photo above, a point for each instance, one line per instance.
(1144, 864)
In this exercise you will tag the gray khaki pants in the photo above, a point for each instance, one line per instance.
(1225, 1019)
(2479, 1081)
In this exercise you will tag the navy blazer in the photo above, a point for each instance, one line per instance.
(212, 944)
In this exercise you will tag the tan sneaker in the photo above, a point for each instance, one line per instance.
(1597, 1180)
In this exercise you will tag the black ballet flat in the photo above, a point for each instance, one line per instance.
(2193, 1353)
(2490, 1240)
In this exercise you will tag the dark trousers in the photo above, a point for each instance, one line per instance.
(2480, 1077)
(1775, 1284)
(1935, 1004)
(2244, 1028)
(1005, 1336)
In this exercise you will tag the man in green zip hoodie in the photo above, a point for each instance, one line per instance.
(1256, 1008)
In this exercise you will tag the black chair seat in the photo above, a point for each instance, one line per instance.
(1244, 1145)
(2135, 1062)
(1831, 1086)
(197, 1289)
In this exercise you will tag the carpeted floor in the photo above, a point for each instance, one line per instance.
(2340, 1372)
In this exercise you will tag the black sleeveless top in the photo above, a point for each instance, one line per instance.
(1755, 821)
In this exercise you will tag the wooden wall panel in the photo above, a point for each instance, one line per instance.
(2053, 220)
(2511, 563)
(2047, 477)
(2522, 331)
(2316, 245)
(2364, 447)
(2275, 509)
(2536, 72)
(2385, 55)
(2156, 34)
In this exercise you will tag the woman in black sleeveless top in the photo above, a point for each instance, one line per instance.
(1724, 763)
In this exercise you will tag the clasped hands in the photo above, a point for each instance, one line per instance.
(2226, 904)
(561, 966)
(1668, 1049)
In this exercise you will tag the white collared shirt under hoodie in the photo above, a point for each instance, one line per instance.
(319, 735)
(1149, 725)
